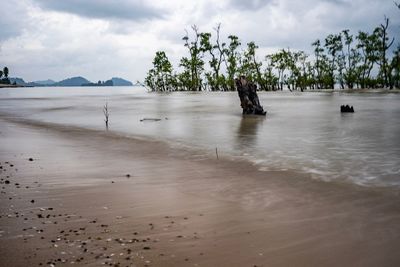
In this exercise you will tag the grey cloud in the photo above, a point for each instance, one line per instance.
(8, 30)
(13, 19)
(251, 4)
(259, 4)
(339, 2)
(104, 9)
(297, 24)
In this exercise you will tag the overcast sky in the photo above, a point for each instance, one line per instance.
(98, 39)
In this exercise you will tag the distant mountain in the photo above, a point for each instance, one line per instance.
(18, 81)
(74, 81)
(120, 82)
(45, 82)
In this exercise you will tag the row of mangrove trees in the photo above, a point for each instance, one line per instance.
(341, 60)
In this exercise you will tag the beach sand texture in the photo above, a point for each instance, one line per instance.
(76, 197)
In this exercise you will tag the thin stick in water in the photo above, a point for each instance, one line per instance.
(106, 114)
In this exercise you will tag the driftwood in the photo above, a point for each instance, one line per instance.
(150, 119)
(346, 109)
(248, 97)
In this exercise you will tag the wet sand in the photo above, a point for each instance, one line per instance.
(75, 197)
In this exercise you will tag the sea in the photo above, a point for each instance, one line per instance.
(302, 132)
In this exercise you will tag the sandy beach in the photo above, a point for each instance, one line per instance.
(77, 197)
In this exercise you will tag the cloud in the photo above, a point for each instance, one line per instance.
(259, 4)
(296, 24)
(43, 39)
(60, 45)
(104, 9)
(14, 18)
(251, 4)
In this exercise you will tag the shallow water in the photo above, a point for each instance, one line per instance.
(302, 132)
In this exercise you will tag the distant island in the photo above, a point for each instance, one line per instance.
(69, 82)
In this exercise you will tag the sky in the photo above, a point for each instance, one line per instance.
(100, 39)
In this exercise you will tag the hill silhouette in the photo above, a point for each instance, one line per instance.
(73, 81)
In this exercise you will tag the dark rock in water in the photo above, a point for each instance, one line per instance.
(30, 159)
(248, 97)
(346, 109)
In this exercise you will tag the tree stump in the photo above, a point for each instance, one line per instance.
(248, 97)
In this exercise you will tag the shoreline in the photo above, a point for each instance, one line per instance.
(185, 211)
(13, 86)
(336, 90)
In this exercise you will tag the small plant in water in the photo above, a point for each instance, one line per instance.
(106, 114)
